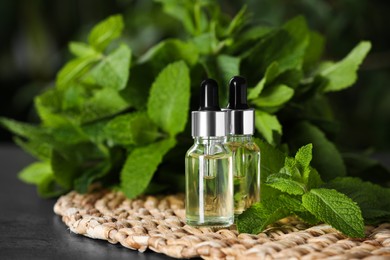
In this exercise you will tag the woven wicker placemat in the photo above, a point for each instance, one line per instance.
(157, 223)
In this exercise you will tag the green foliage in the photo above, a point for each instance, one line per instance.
(41, 175)
(326, 157)
(284, 183)
(35, 173)
(256, 218)
(81, 49)
(274, 97)
(303, 157)
(314, 49)
(111, 112)
(113, 70)
(169, 51)
(286, 46)
(105, 32)
(269, 75)
(271, 160)
(371, 198)
(140, 166)
(104, 103)
(268, 125)
(74, 69)
(169, 98)
(343, 73)
(335, 208)
(299, 193)
(23, 129)
(130, 129)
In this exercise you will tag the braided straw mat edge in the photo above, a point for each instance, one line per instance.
(157, 223)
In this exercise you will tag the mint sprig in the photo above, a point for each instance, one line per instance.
(297, 191)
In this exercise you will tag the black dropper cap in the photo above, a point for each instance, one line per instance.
(241, 118)
(237, 93)
(209, 96)
(209, 120)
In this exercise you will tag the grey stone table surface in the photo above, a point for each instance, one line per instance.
(29, 229)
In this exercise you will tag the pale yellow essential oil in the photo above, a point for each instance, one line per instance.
(209, 184)
(246, 171)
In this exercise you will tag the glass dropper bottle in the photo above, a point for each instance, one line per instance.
(246, 154)
(209, 182)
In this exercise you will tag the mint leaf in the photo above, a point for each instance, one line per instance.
(169, 51)
(256, 218)
(314, 49)
(21, 129)
(269, 75)
(70, 162)
(273, 97)
(106, 31)
(228, 66)
(49, 107)
(191, 14)
(67, 134)
(140, 166)
(285, 46)
(238, 21)
(303, 157)
(343, 73)
(36, 148)
(221, 69)
(74, 69)
(82, 183)
(292, 203)
(48, 188)
(132, 128)
(64, 169)
(168, 102)
(294, 51)
(113, 70)
(311, 178)
(133, 93)
(81, 49)
(307, 217)
(290, 168)
(335, 209)
(104, 102)
(370, 197)
(95, 132)
(249, 38)
(284, 183)
(28, 131)
(180, 11)
(72, 97)
(268, 125)
(35, 173)
(206, 43)
(326, 158)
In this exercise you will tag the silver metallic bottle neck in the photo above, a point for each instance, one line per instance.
(209, 123)
(241, 121)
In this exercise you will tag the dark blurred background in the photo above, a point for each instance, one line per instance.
(35, 33)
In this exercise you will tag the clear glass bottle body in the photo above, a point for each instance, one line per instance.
(246, 171)
(209, 183)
